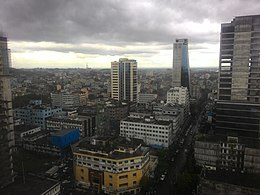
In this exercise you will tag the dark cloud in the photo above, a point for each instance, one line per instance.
(116, 21)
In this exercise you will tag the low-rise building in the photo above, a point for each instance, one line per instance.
(112, 165)
(36, 113)
(157, 131)
(86, 124)
(22, 130)
(228, 153)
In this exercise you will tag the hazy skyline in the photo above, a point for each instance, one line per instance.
(71, 33)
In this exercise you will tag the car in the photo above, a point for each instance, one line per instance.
(162, 177)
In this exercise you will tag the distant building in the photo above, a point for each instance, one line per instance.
(144, 98)
(180, 95)
(124, 80)
(157, 131)
(65, 100)
(112, 165)
(181, 67)
(7, 141)
(36, 113)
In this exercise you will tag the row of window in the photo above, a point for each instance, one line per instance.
(147, 130)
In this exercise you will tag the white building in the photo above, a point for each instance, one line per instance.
(65, 100)
(155, 131)
(144, 98)
(180, 95)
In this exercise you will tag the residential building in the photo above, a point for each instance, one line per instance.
(181, 67)
(23, 130)
(36, 113)
(155, 131)
(112, 165)
(124, 80)
(65, 100)
(238, 106)
(7, 141)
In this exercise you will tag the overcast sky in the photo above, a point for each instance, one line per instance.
(73, 33)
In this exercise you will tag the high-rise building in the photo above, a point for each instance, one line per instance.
(6, 117)
(124, 80)
(238, 108)
(181, 67)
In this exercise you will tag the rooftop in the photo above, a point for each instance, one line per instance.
(111, 147)
(23, 128)
(62, 132)
(146, 120)
(33, 185)
(241, 179)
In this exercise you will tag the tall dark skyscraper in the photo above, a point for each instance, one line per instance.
(124, 80)
(238, 108)
(6, 117)
(181, 67)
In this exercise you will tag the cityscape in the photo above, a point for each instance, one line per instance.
(127, 128)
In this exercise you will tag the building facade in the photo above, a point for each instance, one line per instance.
(181, 67)
(7, 141)
(65, 100)
(157, 131)
(124, 80)
(228, 153)
(36, 114)
(86, 124)
(180, 96)
(111, 165)
(239, 89)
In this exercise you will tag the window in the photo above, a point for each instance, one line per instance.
(123, 185)
(110, 184)
(82, 178)
(134, 174)
(123, 176)
(134, 182)
(82, 170)
(110, 176)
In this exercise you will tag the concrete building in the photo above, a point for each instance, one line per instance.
(112, 165)
(228, 153)
(65, 100)
(180, 95)
(85, 124)
(36, 113)
(157, 131)
(23, 130)
(144, 98)
(181, 67)
(7, 141)
(238, 106)
(124, 80)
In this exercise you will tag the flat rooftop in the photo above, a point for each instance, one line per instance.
(109, 147)
(62, 132)
(240, 179)
(146, 121)
(23, 128)
(32, 185)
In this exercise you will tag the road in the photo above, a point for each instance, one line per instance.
(167, 186)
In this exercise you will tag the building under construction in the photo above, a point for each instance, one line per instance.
(6, 116)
